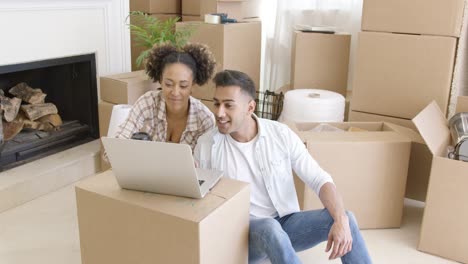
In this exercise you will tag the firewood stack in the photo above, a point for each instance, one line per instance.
(26, 109)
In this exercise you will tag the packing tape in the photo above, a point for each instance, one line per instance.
(212, 19)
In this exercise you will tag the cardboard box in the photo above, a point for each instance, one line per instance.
(320, 61)
(357, 116)
(427, 17)
(209, 104)
(104, 113)
(369, 169)
(124, 226)
(156, 6)
(238, 9)
(125, 88)
(420, 158)
(137, 49)
(223, 39)
(191, 7)
(398, 75)
(186, 18)
(443, 229)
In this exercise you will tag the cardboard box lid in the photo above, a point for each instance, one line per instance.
(376, 132)
(195, 210)
(432, 125)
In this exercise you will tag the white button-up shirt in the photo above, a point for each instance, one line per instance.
(278, 151)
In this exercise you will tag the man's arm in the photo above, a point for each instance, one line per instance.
(340, 233)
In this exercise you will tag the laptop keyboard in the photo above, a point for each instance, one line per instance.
(200, 182)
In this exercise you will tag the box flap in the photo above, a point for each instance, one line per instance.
(432, 125)
(407, 132)
(462, 104)
(105, 185)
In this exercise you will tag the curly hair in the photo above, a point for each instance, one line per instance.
(195, 56)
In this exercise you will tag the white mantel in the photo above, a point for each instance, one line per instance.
(45, 29)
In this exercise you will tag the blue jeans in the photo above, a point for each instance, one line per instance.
(280, 238)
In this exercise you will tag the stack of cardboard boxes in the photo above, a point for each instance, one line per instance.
(160, 9)
(405, 59)
(195, 10)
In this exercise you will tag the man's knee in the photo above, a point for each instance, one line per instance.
(352, 220)
(267, 228)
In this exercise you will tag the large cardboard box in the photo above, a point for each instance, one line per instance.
(368, 167)
(136, 48)
(398, 75)
(320, 61)
(228, 44)
(126, 88)
(420, 158)
(427, 17)
(156, 6)
(444, 229)
(124, 226)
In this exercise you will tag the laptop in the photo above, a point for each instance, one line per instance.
(158, 167)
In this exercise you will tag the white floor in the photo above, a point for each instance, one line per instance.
(45, 231)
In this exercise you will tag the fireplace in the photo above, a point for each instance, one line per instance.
(70, 84)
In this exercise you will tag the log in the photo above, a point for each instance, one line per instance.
(28, 94)
(46, 123)
(35, 111)
(10, 107)
(11, 129)
(54, 119)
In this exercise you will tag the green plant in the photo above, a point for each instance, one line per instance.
(149, 31)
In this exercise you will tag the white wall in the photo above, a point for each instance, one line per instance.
(45, 29)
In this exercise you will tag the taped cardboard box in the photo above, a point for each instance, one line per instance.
(137, 49)
(125, 88)
(398, 75)
(427, 17)
(420, 159)
(368, 167)
(444, 229)
(237, 9)
(320, 61)
(123, 226)
(223, 39)
(156, 6)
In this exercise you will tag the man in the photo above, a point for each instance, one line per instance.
(264, 153)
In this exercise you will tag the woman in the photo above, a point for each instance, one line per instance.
(172, 115)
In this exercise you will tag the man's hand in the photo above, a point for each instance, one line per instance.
(339, 238)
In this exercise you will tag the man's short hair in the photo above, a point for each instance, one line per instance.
(236, 78)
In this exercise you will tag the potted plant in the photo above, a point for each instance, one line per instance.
(149, 31)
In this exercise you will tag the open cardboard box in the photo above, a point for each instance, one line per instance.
(369, 169)
(123, 226)
(444, 230)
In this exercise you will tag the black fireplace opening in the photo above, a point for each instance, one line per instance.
(71, 84)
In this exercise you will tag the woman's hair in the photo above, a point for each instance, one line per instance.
(195, 56)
